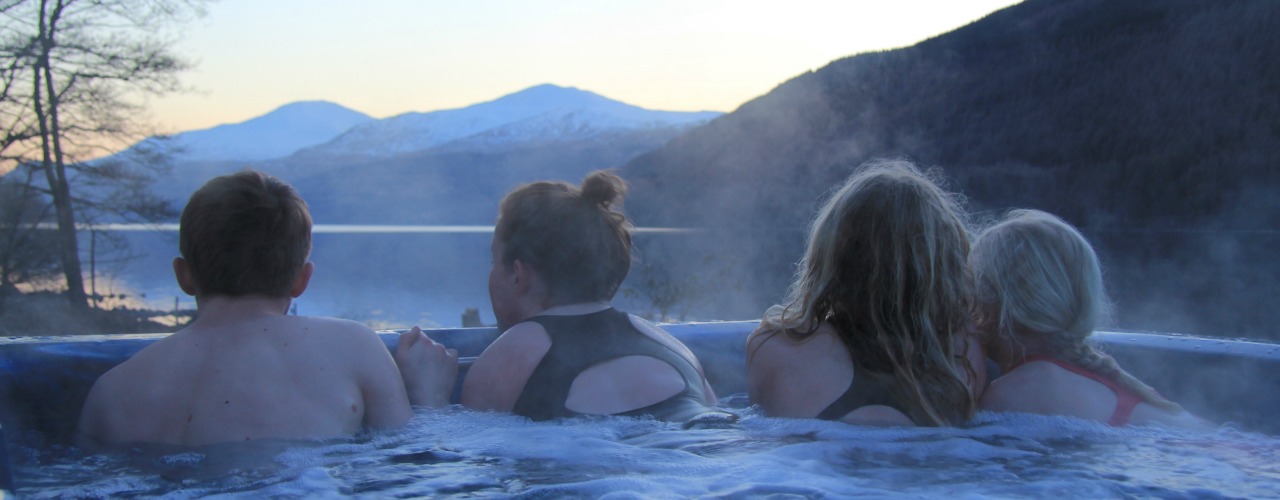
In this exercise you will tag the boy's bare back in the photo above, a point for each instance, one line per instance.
(243, 370)
(249, 376)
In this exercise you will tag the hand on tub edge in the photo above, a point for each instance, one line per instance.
(427, 367)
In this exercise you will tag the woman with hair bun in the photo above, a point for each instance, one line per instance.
(1040, 296)
(874, 329)
(559, 254)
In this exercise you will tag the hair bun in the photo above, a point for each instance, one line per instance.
(603, 188)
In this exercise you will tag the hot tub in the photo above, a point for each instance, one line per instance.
(457, 451)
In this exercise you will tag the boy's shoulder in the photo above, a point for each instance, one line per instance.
(334, 331)
(328, 324)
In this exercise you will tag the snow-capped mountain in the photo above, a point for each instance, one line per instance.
(540, 113)
(324, 130)
(580, 124)
(277, 134)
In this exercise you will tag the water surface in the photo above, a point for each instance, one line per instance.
(465, 453)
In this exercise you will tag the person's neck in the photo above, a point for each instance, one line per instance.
(1014, 355)
(574, 309)
(220, 309)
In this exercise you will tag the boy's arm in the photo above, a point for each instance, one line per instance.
(92, 420)
(427, 367)
(385, 403)
(110, 412)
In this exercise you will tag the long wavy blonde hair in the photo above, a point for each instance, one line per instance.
(1040, 282)
(887, 267)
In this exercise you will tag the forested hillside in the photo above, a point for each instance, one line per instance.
(1153, 126)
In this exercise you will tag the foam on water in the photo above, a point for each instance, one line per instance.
(458, 451)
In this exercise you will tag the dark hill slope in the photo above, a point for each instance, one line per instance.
(1154, 126)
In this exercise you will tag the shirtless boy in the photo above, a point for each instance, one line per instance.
(244, 370)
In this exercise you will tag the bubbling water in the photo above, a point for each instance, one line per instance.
(462, 452)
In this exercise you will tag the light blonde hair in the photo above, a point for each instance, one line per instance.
(1042, 282)
(886, 265)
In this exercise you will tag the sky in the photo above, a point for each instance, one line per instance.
(387, 57)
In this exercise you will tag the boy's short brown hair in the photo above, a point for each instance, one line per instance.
(247, 233)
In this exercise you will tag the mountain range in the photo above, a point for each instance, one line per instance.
(348, 158)
(541, 113)
(320, 129)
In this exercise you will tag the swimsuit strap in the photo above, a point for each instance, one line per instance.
(864, 390)
(1126, 399)
(582, 341)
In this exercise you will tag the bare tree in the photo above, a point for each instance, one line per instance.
(25, 255)
(673, 280)
(17, 127)
(84, 63)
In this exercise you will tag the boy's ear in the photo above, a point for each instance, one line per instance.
(522, 275)
(186, 281)
(304, 278)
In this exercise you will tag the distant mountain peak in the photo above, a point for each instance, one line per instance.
(305, 112)
(549, 94)
(537, 113)
(318, 103)
(279, 133)
(547, 97)
(548, 89)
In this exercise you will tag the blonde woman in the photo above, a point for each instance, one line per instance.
(1040, 297)
(873, 329)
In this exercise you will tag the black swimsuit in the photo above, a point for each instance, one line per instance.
(580, 342)
(864, 390)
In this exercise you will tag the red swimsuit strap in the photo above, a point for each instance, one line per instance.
(1126, 399)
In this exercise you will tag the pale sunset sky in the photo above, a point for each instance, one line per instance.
(386, 57)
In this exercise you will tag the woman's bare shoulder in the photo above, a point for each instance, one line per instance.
(523, 335)
(759, 336)
(517, 350)
(499, 375)
(1027, 388)
(821, 338)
